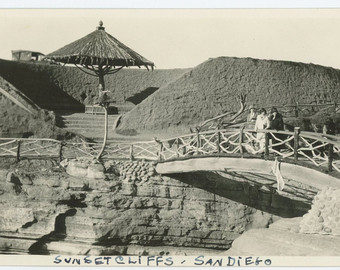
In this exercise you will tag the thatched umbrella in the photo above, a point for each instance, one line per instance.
(99, 54)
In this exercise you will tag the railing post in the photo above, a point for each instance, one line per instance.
(330, 157)
(160, 148)
(218, 141)
(131, 152)
(18, 150)
(241, 139)
(61, 151)
(266, 145)
(198, 142)
(296, 142)
(160, 151)
(297, 109)
(335, 105)
(177, 147)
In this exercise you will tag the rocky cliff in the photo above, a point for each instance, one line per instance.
(44, 210)
(314, 234)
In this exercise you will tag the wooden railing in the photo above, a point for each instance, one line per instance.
(304, 148)
(21, 148)
(293, 110)
(30, 148)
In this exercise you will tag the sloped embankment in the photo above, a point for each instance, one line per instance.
(20, 117)
(55, 87)
(211, 89)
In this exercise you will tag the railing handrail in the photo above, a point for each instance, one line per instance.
(31, 139)
(320, 136)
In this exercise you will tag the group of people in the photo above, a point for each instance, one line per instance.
(262, 120)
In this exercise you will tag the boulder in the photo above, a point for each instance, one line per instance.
(86, 168)
(96, 171)
(77, 168)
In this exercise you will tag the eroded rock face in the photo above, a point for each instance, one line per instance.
(324, 216)
(283, 238)
(53, 212)
(314, 234)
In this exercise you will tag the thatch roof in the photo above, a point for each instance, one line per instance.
(99, 48)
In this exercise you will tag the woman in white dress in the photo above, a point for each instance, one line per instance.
(262, 122)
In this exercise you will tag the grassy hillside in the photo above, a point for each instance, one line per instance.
(55, 87)
(211, 89)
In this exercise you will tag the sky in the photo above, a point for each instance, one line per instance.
(180, 38)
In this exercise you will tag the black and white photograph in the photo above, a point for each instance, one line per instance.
(156, 133)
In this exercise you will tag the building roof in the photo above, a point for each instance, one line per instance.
(16, 51)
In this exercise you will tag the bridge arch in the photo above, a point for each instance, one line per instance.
(302, 174)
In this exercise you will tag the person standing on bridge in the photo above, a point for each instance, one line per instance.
(262, 122)
(252, 114)
(276, 122)
(251, 118)
(329, 127)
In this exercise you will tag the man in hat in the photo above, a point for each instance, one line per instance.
(275, 119)
(276, 122)
(329, 127)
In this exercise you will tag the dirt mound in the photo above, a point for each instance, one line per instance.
(20, 117)
(54, 87)
(211, 89)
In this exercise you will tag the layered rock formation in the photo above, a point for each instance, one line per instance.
(44, 211)
(283, 238)
(314, 234)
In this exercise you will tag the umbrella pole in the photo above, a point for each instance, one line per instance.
(105, 106)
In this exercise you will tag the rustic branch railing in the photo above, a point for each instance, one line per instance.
(313, 150)
(322, 151)
(294, 110)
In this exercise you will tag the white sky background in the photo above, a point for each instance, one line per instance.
(174, 38)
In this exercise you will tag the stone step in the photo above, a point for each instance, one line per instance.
(83, 119)
(83, 116)
(88, 125)
(87, 121)
(86, 129)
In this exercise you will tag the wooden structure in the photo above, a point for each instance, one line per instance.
(303, 148)
(99, 54)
